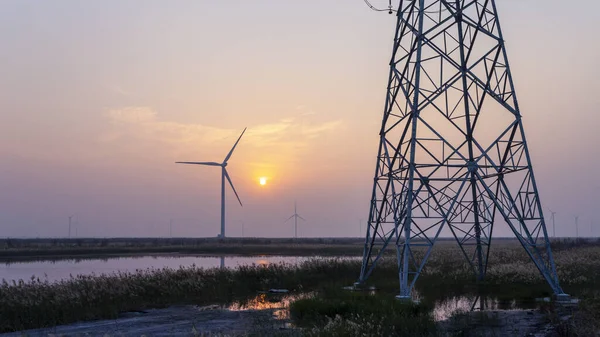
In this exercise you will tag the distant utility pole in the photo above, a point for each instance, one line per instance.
(553, 224)
(70, 217)
(170, 228)
(360, 228)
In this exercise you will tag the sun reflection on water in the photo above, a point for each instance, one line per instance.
(279, 303)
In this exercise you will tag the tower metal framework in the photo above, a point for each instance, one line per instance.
(452, 152)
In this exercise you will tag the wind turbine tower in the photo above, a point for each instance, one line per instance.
(553, 224)
(296, 216)
(452, 156)
(224, 176)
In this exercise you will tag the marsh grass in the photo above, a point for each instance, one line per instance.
(511, 277)
(334, 312)
(35, 303)
(583, 320)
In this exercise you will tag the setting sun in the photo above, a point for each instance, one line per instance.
(262, 180)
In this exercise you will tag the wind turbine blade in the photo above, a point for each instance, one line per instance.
(233, 188)
(301, 218)
(233, 148)
(289, 218)
(209, 163)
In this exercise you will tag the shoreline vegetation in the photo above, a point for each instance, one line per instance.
(18, 250)
(15, 250)
(510, 277)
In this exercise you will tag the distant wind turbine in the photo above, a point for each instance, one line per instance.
(553, 224)
(224, 175)
(295, 216)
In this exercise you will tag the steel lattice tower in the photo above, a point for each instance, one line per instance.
(452, 150)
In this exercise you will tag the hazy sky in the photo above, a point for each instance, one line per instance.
(99, 98)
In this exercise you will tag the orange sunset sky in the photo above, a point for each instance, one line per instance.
(98, 99)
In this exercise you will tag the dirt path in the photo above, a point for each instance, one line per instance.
(517, 323)
(173, 321)
(216, 321)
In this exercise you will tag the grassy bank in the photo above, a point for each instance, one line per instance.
(510, 276)
(17, 255)
(56, 249)
(16, 250)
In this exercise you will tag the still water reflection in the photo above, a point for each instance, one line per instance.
(62, 269)
(278, 303)
(442, 309)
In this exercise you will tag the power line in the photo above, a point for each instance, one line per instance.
(389, 9)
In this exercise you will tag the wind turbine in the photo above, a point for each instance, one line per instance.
(553, 224)
(295, 216)
(224, 175)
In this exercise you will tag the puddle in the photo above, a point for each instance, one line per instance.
(270, 311)
(278, 303)
(448, 307)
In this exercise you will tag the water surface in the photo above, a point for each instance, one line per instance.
(63, 269)
(442, 309)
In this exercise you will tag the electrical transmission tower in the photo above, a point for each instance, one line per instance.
(452, 152)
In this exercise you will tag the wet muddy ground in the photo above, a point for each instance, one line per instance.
(173, 321)
(530, 323)
(219, 321)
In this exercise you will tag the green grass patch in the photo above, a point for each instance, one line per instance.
(345, 313)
